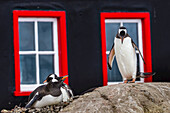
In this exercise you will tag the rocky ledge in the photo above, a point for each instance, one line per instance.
(118, 98)
(124, 98)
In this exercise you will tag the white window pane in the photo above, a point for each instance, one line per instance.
(27, 69)
(132, 29)
(45, 36)
(26, 36)
(46, 66)
(111, 31)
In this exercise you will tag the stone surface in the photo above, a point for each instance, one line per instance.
(124, 98)
(46, 109)
(118, 98)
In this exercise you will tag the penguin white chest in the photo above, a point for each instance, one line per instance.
(48, 100)
(126, 58)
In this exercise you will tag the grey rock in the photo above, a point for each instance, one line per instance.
(118, 98)
(124, 98)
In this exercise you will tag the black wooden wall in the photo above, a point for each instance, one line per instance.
(83, 39)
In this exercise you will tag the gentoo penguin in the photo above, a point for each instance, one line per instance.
(47, 94)
(65, 89)
(124, 50)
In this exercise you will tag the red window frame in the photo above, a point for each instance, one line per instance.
(62, 43)
(146, 37)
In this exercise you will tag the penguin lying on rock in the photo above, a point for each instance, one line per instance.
(48, 94)
(65, 89)
(124, 50)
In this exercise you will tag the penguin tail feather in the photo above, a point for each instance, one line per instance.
(28, 106)
(145, 75)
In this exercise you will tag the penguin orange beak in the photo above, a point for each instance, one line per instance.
(122, 40)
(45, 81)
(64, 77)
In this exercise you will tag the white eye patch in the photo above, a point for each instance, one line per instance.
(122, 30)
(53, 78)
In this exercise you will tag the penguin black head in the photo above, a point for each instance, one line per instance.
(122, 32)
(55, 78)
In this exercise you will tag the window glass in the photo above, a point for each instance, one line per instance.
(132, 29)
(28, 69)
(26, 36)
(37, 37)
(37, 53)
(111, 31)
(114, 74)
(45, 35)
(46, 66)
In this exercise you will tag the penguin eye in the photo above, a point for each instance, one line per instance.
(49, 79)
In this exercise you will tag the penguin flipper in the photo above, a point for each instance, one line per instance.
(33, 100)
(111, 57)
(134, 45)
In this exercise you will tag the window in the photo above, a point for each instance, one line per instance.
(138, 27)
(38, 50)
(134, 28)
(39, 47)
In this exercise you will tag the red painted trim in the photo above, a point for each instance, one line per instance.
(62, 41)
(145, 17)
(147, 46)
(21, 93)
(103, 40)
(16, 52)
(63, 47)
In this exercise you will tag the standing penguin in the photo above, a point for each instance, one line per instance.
(124, 50)
(65, 89)
(47, 94)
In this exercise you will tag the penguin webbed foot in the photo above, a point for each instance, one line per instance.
(133, 81)
(124, 82)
